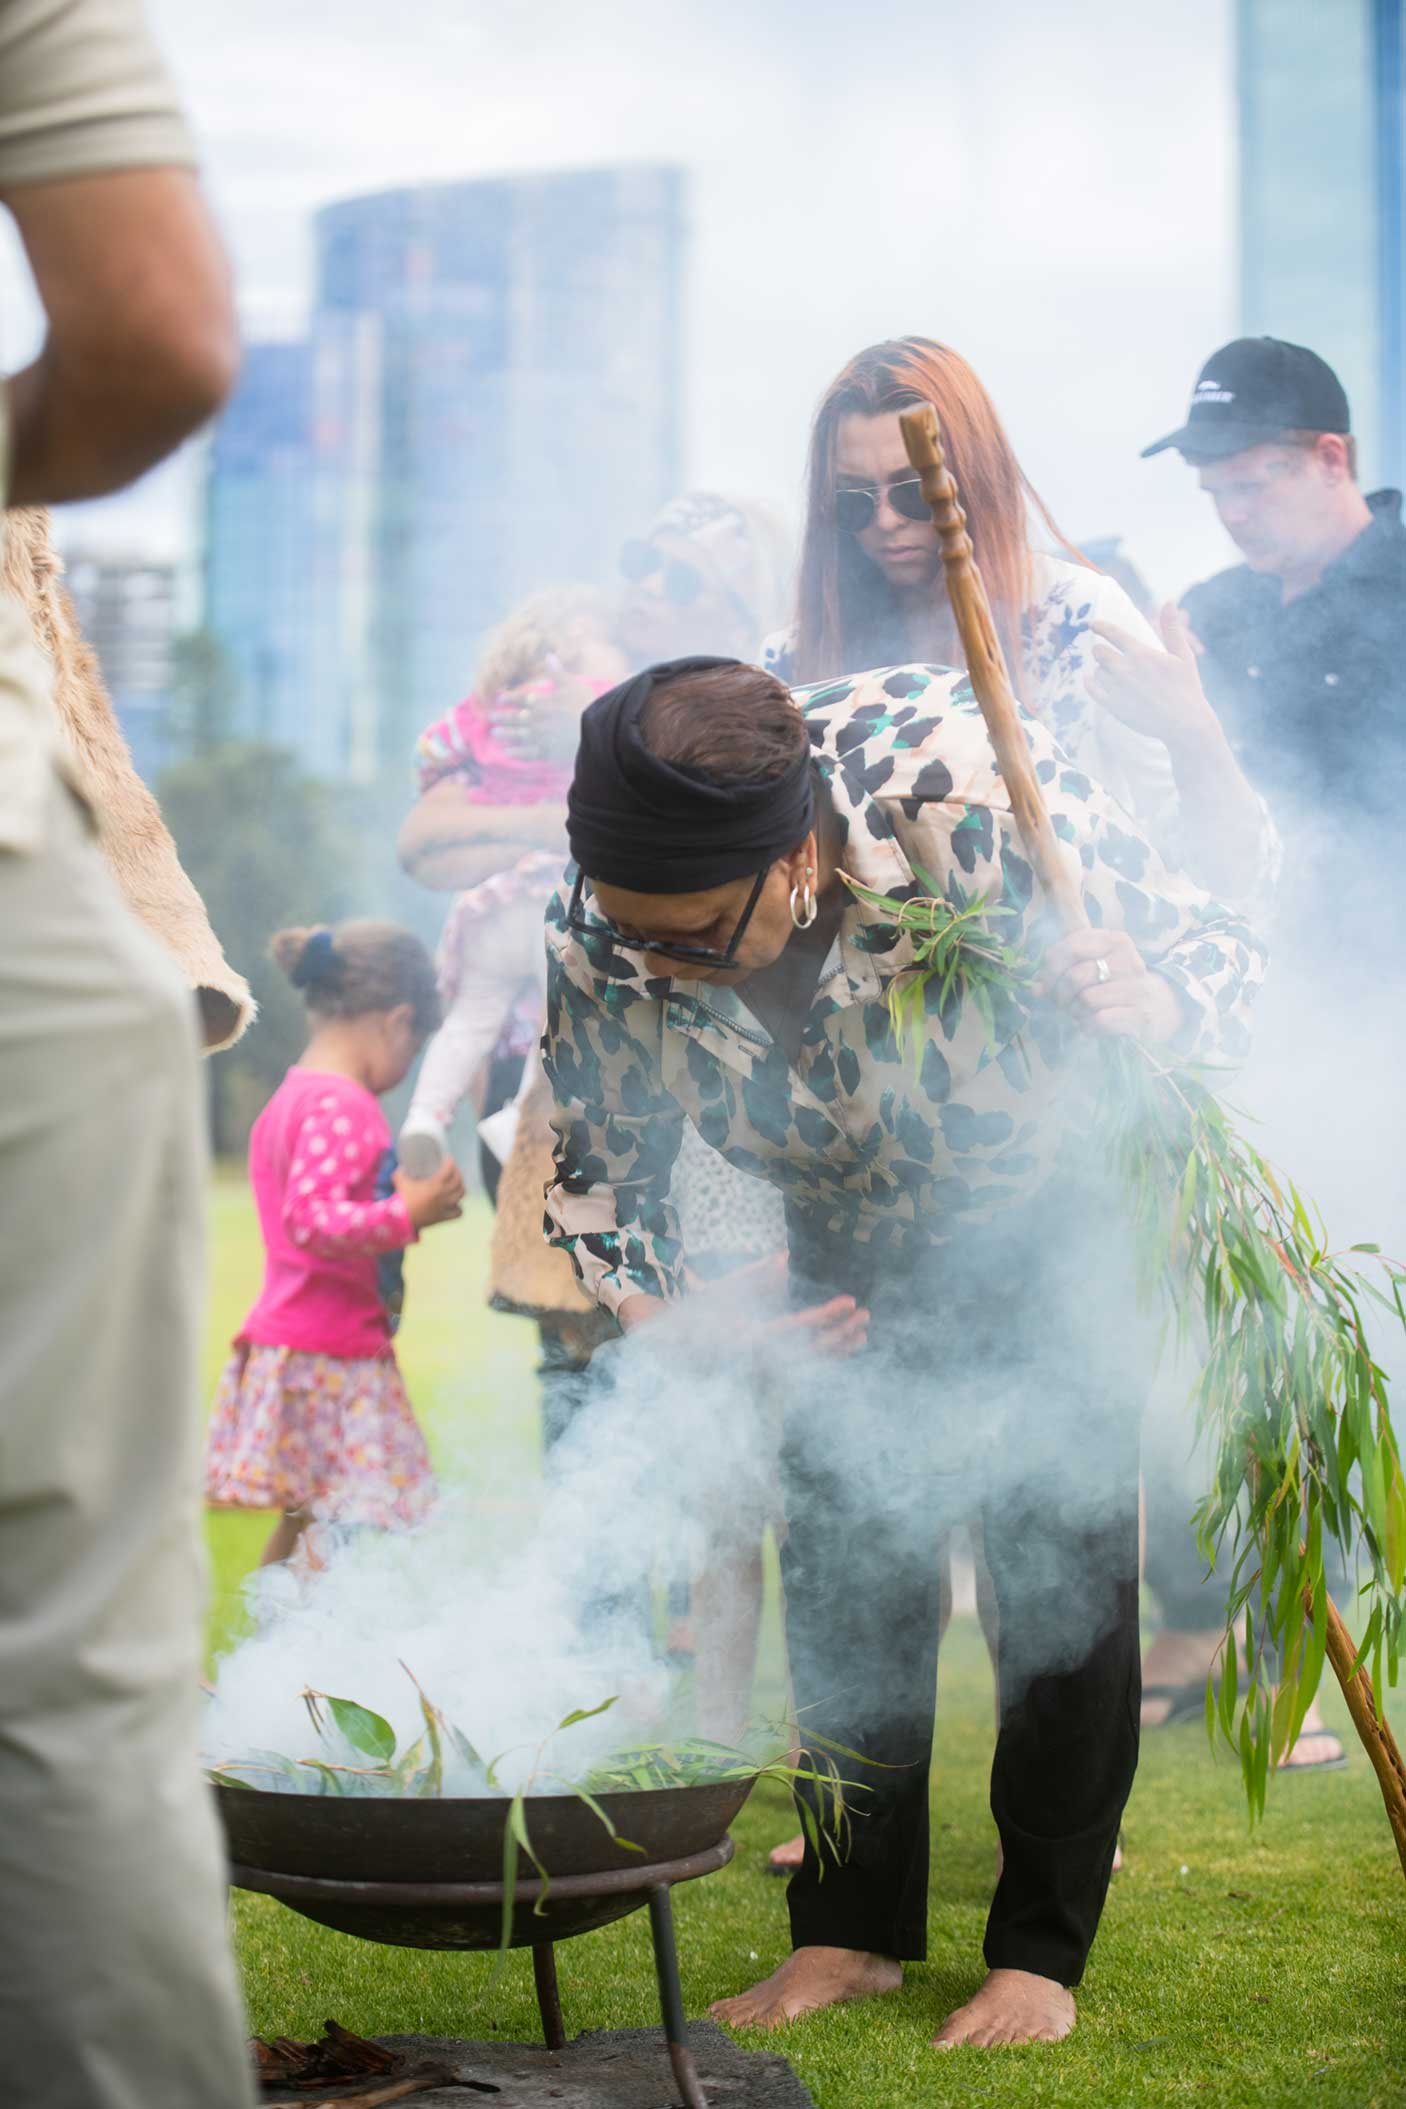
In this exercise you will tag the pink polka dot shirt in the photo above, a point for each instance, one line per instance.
(314, 1156)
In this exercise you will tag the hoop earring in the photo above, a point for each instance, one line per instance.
(809, 908)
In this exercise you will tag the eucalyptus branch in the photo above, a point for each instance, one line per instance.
(1291, 1404)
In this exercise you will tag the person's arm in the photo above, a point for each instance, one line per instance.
(618, 1133)
(1153, 689)
(450, 843)
(496, 947)
(330, 1153)
(333, 1150)
(1182, 968)
(141, 347)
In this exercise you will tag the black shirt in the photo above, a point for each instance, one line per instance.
(1313, 693)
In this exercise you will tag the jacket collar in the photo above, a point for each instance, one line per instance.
(1379, 547)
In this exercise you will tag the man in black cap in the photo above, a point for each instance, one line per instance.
(1302, 648)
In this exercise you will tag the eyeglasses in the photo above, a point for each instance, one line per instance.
(856, 506)
(595, 927)
(682, 582)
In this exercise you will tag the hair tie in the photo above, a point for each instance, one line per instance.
(316, 961)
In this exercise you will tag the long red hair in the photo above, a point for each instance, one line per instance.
(846, 618)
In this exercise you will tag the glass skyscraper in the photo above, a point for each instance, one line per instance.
(258, 554)
(127, 611)
(489, 403)
(1323, 187)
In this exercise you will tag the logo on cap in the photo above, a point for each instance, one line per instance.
(1273, 388)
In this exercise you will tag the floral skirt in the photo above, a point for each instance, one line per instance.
(297, 1431)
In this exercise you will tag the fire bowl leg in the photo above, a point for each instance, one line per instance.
(544, 1976)
(666, 1963)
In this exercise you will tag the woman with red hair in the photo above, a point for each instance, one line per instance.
(872, 594)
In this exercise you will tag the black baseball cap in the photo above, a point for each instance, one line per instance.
(1253, 390)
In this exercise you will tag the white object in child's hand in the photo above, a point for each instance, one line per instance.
(422, 1147)
(499, 1129)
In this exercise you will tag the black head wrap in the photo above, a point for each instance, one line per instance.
(653, 826)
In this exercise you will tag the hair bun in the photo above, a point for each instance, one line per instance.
(316, 962)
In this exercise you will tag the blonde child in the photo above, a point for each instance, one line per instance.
(554, 653)
(312, 1417)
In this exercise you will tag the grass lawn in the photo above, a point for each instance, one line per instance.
(1231, 1968)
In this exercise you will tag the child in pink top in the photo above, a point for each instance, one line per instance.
(312, 1416)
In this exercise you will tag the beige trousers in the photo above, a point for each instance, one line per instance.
(116, 1986)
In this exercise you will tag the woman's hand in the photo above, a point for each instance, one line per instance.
(438, 1199)
(637, 1311)
(1157, 693)
(835, 1329)
(540, 720)
(1103, 981)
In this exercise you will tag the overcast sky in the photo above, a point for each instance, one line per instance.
(1050, 190)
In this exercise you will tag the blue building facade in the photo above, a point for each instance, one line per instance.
(499, 390)
(258, 534)
(127, 612)
(1323, 198)
(489, 402)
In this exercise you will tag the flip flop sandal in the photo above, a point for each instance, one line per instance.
(1187, 1703)
(1328, 1764)
(779, 1868)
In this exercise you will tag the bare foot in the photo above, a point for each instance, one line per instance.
(808, 1980)
(1013, 2006)
(1180, 1660)
(1316, 1749)
(786, 1858)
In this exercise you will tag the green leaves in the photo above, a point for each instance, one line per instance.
(1291, 1405)
(584, 1713)
(417, 1770)
(956, 954)
(369, 1734)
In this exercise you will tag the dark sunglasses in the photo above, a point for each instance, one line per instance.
(856, 506)
(682, 582)
(595, 926)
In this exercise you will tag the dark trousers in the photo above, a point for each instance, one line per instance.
(991, 1391)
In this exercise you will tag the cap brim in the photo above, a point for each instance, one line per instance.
(1213, 442)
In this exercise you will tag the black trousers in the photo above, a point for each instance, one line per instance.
(1001, 1384)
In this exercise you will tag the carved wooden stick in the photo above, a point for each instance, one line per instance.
(987, 667)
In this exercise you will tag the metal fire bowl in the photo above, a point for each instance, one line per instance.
(428, 1874)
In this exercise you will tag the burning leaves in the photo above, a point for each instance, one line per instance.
(346, 1726)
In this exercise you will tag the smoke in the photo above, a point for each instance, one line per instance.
(973, 1406)
(669, 1466)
